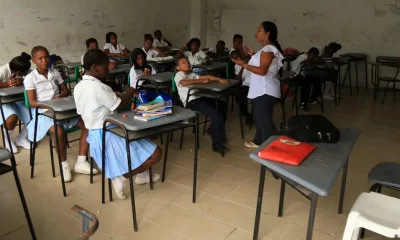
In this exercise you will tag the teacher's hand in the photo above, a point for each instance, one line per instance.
(249, 51)
(239, 62)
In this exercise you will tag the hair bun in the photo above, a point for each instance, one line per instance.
(26, 56)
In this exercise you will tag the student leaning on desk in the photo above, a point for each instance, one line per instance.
(94, 102)
(43, 84)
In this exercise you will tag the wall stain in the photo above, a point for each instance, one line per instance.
(21, 43)
(44, 19)
(86, 23)
(111, 26)
(313, 14)
(367, 36)
(1, 24)
(394, 8)
(379, 13)
(35, 11)
(101, 25)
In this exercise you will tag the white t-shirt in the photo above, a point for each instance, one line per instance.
(269, 83)
(119, 49)
(161, 43)
(152, 53)
(46, 88)
(94, 101)
(183, 90)
(135, 74)
(195, 59)
(295, 66)
(5, 72)
(246, 75)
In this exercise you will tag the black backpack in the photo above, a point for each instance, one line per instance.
(312, 128)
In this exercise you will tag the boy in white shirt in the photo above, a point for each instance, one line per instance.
(151, 52)
(203, 105)
(243, 75)
(218, 51)
(160, 41)
(113, 48)
(192, 52)
(91, 43)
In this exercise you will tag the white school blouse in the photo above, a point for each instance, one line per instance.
(161, 43)
(46, 88)
(152, 53)
(135, 74)
(195, 59)
(183, 90)
(296, 65)
(269, 83)
(119, 49)
(246, 75)
(94, 101)
(5, 72)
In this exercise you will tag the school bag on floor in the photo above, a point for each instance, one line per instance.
(312, 128)
(56, 62)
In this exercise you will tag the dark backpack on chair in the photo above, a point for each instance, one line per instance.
(312, 128)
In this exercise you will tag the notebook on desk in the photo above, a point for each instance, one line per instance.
(286, 150)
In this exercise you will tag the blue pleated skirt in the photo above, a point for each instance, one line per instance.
(18, 109)
(116, 162)
(45, 123)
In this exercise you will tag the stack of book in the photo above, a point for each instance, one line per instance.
(153, 110)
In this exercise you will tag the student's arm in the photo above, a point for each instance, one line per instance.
(126, 98)
(212, 78)
(239, 76)
(112, 54)
(126, 52)
(160, 53)
(180, 53)
(186, 82)
(32, 98)
(64, 91)
(168, 42)
(265, 61)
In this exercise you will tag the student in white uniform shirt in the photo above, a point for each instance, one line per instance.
(91, 43)
(113, 48)
(12, 75)
(203, 105)
(160, 41)
(44, 84)
(151, 52)
(264, 85)
(329, 51)
(139, 67)
(94, 102)
(192, 52)
(218, 51)
(243, 75)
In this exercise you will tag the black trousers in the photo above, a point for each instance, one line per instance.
(207, 106)
(241, 99)
(307, 84)
(263, 112)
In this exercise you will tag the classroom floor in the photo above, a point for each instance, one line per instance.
(227, 189)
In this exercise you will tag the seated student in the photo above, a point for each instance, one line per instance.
(329, 52)
(218, 51)
(12, 75)
(91, 43)
(94, 102)
(237, 45)
(148, 48)
(139, 66)
(245, 76)
(203, 105)
(113, 48)
(192, 52)
(44, 84)
(160, 41)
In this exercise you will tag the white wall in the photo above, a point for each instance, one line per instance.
(63, 26)
(367, 26)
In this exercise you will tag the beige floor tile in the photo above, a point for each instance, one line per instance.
(233, 175)
(204, 201)
(185, 178)
(217, 187)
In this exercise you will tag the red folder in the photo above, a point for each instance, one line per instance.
(287, 150)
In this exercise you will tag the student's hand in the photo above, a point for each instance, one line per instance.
(249, 51)
(56, 96)
(239, 62)
(206, 80)
(136, 94)
(146, 72)
(222, 81)
(12, 81)
(184, 47)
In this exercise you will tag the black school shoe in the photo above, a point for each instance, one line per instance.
(219, 148)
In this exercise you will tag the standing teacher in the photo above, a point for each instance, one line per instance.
(264, 85)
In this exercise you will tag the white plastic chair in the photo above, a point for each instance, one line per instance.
(375, 212)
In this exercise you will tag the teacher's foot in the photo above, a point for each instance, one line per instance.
(250, 145)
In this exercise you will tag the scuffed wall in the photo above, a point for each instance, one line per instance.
(63, 26)
(367, 26)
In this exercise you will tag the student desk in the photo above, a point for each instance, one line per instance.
(162, 65)
(314, 177)
(121, 59)
(120, 72)
(287, 78)
(131, 129)
(215, 90)
(10, 95)
(157, 81)
(60, 109)
(356, 57)
(214, 67)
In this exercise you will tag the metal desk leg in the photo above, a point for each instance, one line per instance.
(343, 188)
(356, 65)
(33, 152)
(351, 85)
(165, 158)
(59, 154)
(103, 164)
(128, 153)
(196, 150)
(240, 113)
(281, 198)
(366, 74)
(311, 217)
(259, 202)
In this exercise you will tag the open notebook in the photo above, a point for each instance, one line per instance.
(286, 150)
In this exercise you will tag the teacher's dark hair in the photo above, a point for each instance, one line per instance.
(273, 34)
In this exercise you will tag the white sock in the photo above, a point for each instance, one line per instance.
(23, 134)
(65, 164)
(10, 133)
(143, 174)
(121, 179)
(81, 159)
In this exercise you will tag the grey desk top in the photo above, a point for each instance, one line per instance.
(159, 77)
(121, 68)
(10, 91)
(131, 124)
(60, 104)
(215, 86)
(355, 56)
(160, 62)
(212, 66)
(319, 171)
(287, 74)
(387, 59)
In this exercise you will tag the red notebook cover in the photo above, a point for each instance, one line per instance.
(286, 150)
